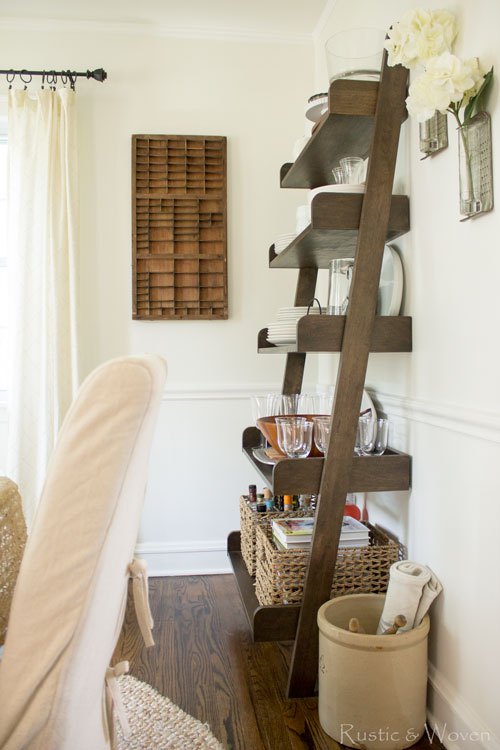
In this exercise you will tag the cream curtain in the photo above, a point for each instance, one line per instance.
(43, 238)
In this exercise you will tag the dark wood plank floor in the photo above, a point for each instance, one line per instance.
(205, 661)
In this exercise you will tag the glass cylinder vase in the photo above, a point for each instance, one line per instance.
(433, 134)
(475, 167)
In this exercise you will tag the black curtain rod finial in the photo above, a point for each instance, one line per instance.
(98, 74)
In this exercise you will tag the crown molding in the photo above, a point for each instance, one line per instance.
(129, 28)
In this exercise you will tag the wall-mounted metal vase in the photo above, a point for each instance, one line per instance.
(475, 166)
(433, 134)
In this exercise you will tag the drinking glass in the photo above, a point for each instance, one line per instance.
(297, 437)
(373, 435)
(338, 175)
(280, 422)
(322, 427)
(352, 169)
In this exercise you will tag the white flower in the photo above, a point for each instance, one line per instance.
(419, 35)
(446, 80)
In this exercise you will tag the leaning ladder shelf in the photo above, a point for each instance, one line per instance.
(363, 118)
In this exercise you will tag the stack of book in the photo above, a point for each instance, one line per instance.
(296, 533)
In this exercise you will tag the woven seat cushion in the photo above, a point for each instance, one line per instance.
(70, 596)
(12, 542)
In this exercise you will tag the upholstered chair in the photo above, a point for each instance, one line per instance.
(70, 595)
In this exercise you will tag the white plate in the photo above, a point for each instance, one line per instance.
(336, 189)
(390, 291)
(261, 455)
(281, 340)
(315, 109)
(367, 403)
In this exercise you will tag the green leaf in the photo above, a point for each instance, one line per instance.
(480, 98)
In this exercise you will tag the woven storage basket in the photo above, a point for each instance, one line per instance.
(250, 519)
(12, 542)
(280, 573)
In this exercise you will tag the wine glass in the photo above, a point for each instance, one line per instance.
(322, 427)
(264, 406)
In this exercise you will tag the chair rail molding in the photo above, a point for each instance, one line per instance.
(455, 417)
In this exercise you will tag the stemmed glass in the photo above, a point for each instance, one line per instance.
(264, 406)
(322, 427)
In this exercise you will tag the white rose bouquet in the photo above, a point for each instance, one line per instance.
(423, 39)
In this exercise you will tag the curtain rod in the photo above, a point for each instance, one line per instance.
(51, 76)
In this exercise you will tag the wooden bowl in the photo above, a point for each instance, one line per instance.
(268, 427)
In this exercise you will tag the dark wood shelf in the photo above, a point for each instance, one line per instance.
(325, 333)
(273, 623)
(333, 231)
(387, 473)
(347, 128)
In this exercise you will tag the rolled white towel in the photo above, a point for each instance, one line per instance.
(412, 588)
(432, 588)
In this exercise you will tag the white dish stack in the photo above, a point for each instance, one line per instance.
(284, 331)
(283, 240)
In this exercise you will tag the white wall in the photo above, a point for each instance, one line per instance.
(443, 399)
(254, 93)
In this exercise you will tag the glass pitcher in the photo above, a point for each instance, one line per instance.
(339, 282)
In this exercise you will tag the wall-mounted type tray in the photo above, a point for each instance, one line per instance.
(179, 227)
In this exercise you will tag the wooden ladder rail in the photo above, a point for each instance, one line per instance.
(389, 114)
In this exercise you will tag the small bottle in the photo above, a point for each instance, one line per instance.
(304, 502)
(268, 499)
(261, 506)
(287, 502)
(252, 493)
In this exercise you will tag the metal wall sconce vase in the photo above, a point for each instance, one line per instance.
(433, 134)
(475, 166)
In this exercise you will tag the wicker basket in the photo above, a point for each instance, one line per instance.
(280, 573)
(249, 520)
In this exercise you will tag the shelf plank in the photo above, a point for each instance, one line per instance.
(274, 623)
(333, 231)
(386, 473)
(325, 333)
(347, 128)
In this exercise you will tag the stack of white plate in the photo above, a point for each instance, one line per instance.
(336, 189)
(283, 241)
(284, 331)
(303, 217)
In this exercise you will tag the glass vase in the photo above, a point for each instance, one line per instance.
(433, 134)
(475, 167)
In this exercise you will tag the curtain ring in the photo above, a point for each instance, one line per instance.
(25, 78)
(43, 81)
(72, 80)
(10, 76)
(311, 304)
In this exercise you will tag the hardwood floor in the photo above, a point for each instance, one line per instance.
(205, 661)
